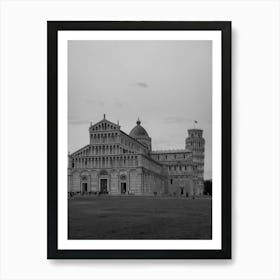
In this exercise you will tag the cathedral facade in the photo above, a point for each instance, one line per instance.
(117, 163)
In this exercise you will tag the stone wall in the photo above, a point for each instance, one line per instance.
(135, 181)
(180, 185)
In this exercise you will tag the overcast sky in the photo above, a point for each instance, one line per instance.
(167, 84)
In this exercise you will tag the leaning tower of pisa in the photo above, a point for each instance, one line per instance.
(196, 144)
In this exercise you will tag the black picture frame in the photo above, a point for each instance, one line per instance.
(52, 88)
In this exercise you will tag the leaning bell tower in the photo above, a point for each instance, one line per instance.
(196, 144)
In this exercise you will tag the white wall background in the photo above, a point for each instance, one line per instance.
(255, 140)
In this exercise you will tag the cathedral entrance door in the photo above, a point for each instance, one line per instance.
(84, 188)
(123, 188)
(103, 186)
(182, 190)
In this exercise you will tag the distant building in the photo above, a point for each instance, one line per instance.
(120, 164)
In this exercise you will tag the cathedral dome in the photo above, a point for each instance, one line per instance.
(138, 131)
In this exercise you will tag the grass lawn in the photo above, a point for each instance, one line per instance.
(109, 217)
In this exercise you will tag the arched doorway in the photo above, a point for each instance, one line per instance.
(85, 183)
(124, 186)
(103, 182)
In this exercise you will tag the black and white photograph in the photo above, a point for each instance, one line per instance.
(139, 139)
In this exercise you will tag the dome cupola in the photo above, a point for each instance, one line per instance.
(140, 134)
(138, 130)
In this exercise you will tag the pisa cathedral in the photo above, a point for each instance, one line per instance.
(117, 163)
